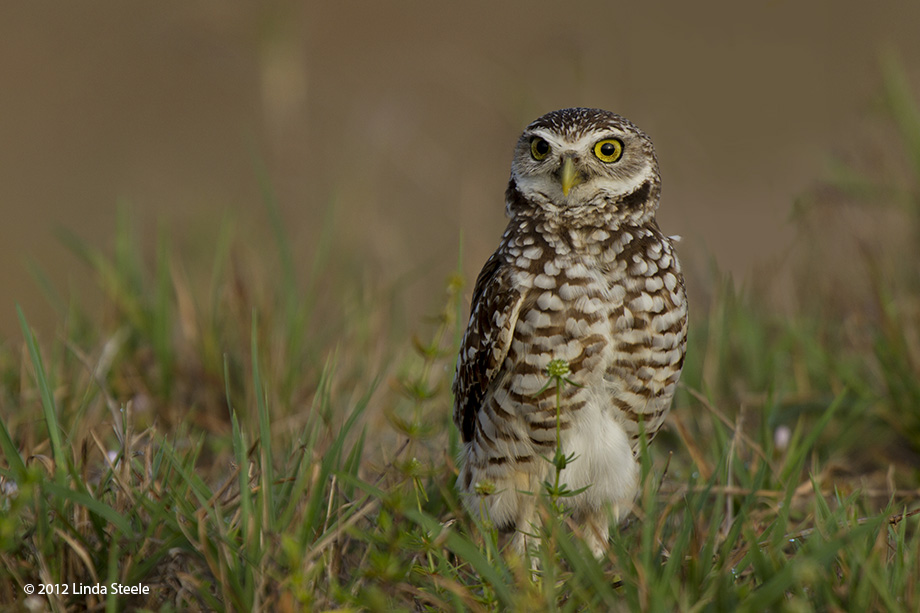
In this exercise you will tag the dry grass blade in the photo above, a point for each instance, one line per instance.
(728, 423)
(699, 458)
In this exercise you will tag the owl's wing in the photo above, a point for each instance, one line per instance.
(493, 315)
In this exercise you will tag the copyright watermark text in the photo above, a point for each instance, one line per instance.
(78, 589)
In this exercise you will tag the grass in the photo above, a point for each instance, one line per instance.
(262, 441)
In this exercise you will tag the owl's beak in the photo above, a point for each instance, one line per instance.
(568, 175)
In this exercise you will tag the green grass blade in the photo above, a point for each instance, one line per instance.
(587, 570)
(332, 462)
(903, 106)
(265, 432)
(92, 505)
(162, 315)
(17, 466)
(49, 408)
(494, 572)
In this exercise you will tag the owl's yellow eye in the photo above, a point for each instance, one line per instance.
(539, 148)
(608, 150)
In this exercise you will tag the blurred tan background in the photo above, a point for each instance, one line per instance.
(402, 116)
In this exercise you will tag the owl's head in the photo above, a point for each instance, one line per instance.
(578, 162)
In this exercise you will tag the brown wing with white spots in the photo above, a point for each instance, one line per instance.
(493, 315)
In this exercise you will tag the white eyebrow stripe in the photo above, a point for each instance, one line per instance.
(585, 142)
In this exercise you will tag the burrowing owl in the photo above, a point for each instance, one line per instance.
(582, 274)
